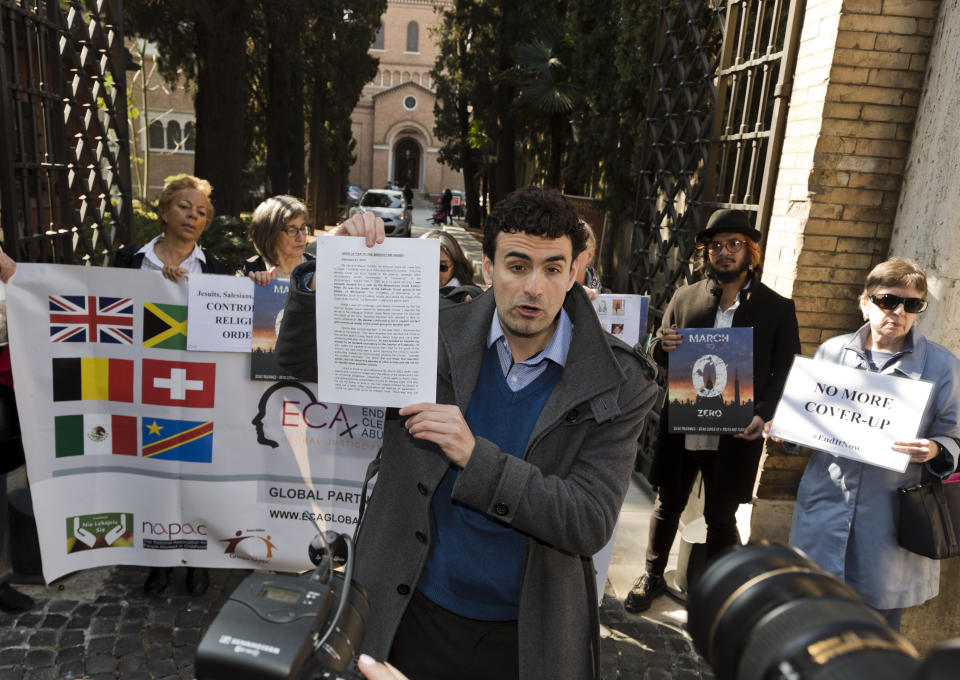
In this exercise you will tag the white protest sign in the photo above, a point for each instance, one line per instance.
(377, 315)
(850, 412)
(220, 310)
(623, 315)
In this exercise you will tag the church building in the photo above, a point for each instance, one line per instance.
(393, 121)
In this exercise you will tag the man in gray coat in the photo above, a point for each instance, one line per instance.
(476, 546)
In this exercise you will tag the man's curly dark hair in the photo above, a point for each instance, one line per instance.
(534, 211)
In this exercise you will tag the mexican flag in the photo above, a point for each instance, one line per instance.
(95, 433)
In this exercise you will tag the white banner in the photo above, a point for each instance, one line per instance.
(140, 452)
(849, 412)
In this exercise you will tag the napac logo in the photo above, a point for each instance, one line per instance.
(253, 545)
(103, 530)
(173, 535)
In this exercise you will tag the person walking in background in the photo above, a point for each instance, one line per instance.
(845, 518)
(445, 201)
(729, 295)
(408, 196)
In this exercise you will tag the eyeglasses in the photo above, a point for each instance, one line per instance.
(734, 245)
(292, 231)
(890, 302)
(444, 267)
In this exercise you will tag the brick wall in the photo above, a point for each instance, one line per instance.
(857, 85)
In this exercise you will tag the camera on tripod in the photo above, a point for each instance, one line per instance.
(305, 627)
(766, 612)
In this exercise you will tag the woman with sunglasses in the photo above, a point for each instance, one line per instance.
(456, 269)
(279, 233)
(846, 513)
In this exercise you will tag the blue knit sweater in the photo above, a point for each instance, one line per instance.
(475, 563)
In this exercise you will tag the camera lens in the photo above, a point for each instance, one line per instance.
(345, 640)
(765, 611)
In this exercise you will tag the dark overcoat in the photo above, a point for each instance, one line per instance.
(564, 493)
(776, 340)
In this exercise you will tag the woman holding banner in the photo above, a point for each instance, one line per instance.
(185, 212)
(278, 230)
(846, 513)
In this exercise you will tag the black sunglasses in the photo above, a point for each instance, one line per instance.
(444, 267)
(890, 302)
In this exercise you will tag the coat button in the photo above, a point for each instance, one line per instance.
(422, 537)
(403, 589)
(501, 509)
(422, 489)
(572, 415)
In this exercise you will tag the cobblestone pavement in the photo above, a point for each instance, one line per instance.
(637, 647)
(98, 624)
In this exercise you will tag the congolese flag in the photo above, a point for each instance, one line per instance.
(184, 440)
(95, 433)
(92, 378)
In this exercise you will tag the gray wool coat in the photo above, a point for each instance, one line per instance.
(564, 494)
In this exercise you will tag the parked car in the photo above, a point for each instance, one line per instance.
(354, 192)
(389, 206)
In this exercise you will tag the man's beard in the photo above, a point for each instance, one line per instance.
(727, 276)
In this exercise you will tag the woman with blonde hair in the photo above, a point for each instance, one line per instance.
(185, 212)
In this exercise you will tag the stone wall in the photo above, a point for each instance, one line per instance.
(859, 76)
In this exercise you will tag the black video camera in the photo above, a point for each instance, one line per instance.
(766, 612)
(289, 627)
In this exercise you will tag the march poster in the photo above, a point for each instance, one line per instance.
(710, 381)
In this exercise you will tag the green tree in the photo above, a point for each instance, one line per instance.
(205, 40)
(338, 35)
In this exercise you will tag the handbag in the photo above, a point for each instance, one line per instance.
(930, 517)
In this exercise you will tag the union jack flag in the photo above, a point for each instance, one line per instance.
(90, 318)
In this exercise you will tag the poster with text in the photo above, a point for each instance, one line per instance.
(849, 412)
(710, 388)
(141, 452)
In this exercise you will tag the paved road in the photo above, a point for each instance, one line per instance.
(98, 623)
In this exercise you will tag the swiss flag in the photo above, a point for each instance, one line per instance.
(178, 383)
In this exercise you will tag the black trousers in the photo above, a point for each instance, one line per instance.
(720, 508)
(433, 643)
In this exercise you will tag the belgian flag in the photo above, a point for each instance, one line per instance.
(93, 378)
(164, 326)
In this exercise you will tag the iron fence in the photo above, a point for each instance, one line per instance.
(65, 193)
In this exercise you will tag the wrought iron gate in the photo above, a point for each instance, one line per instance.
(64, 164)
(722, 75)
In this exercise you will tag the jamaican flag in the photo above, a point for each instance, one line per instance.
(164, 326)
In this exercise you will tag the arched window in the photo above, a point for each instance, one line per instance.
(174, 135)
(155, 138)
(378, 41)
(190, 136)
(413, 37)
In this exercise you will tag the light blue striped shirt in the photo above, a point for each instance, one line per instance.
(521, 374)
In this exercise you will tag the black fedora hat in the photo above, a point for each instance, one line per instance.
(728, 222)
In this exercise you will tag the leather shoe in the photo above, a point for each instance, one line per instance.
(157, 580)
(198, 580)
(646, 589)
(14, 601)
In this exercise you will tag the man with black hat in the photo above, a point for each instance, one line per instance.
(730, 294)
